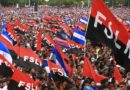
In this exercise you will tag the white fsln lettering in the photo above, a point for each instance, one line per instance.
(115, 40)
(110, 29)
(28, 86)
(110, 35)
(32, 59)
(97, 20)
(25, 58)
(127, 49)
(37, 63)
(21, 83)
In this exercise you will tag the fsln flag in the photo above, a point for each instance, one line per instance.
(49, 40)
(28, 55)
(51, 67)
(79, 36)
(6, 35)
(88, 71)
(57, 58)
(5, 52)
(21, 78)
(84, 20)
(105, 28)
(39, 40)
(117, 74)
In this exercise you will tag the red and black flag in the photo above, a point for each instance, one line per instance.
(88, 71)
(21, 28)
(39, 40)
(105, 28)
(18, 80)
(27, 54)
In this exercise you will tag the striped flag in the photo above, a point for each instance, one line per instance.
(83, 20)
(46, 66)
(6, 35)
(79, 36)
(58, 58)
(5, 52)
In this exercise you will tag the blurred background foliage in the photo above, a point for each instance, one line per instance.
(63, 2)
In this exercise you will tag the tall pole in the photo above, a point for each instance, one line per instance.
(29, 2)
(88, 3)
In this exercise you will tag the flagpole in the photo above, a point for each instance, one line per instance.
(88, 2)
(85, 49)
(29, 3)
(86, 33)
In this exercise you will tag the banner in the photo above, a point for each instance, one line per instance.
(39, 40)
(19, 80)
(105, 28)
(28, 54)
(89, 71)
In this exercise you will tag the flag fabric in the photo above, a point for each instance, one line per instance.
(9, 25)
(10, 38)
(69, 69)
(127, 28)
(5, 52)
(83, 20)
(128, 23)
(55, 30)
(46, 66)
(21, 78)
(58, 59)
(103, 27)
(9, 45)
(39, 40)
(79, 36)
(62, 43)
(57, 73)
(11, 33)
(88, 71)
(49, 40)
(74, 57)
(117, 74)
(21, 27)
(63, 55)
(67, 20)
(62, 35)
(28, 54)
(51, 67)
(81, 26)
(65, 28)
(73, 44)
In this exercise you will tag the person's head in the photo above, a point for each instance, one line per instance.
(65, 84)
(3, 81)
(93, 84)
(122, 86)
(87, 82)
(105, 83)
(5, 74)
(39, 79)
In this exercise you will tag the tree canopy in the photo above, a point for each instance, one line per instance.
(62, 2)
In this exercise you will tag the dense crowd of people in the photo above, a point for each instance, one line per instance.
(100, 56)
